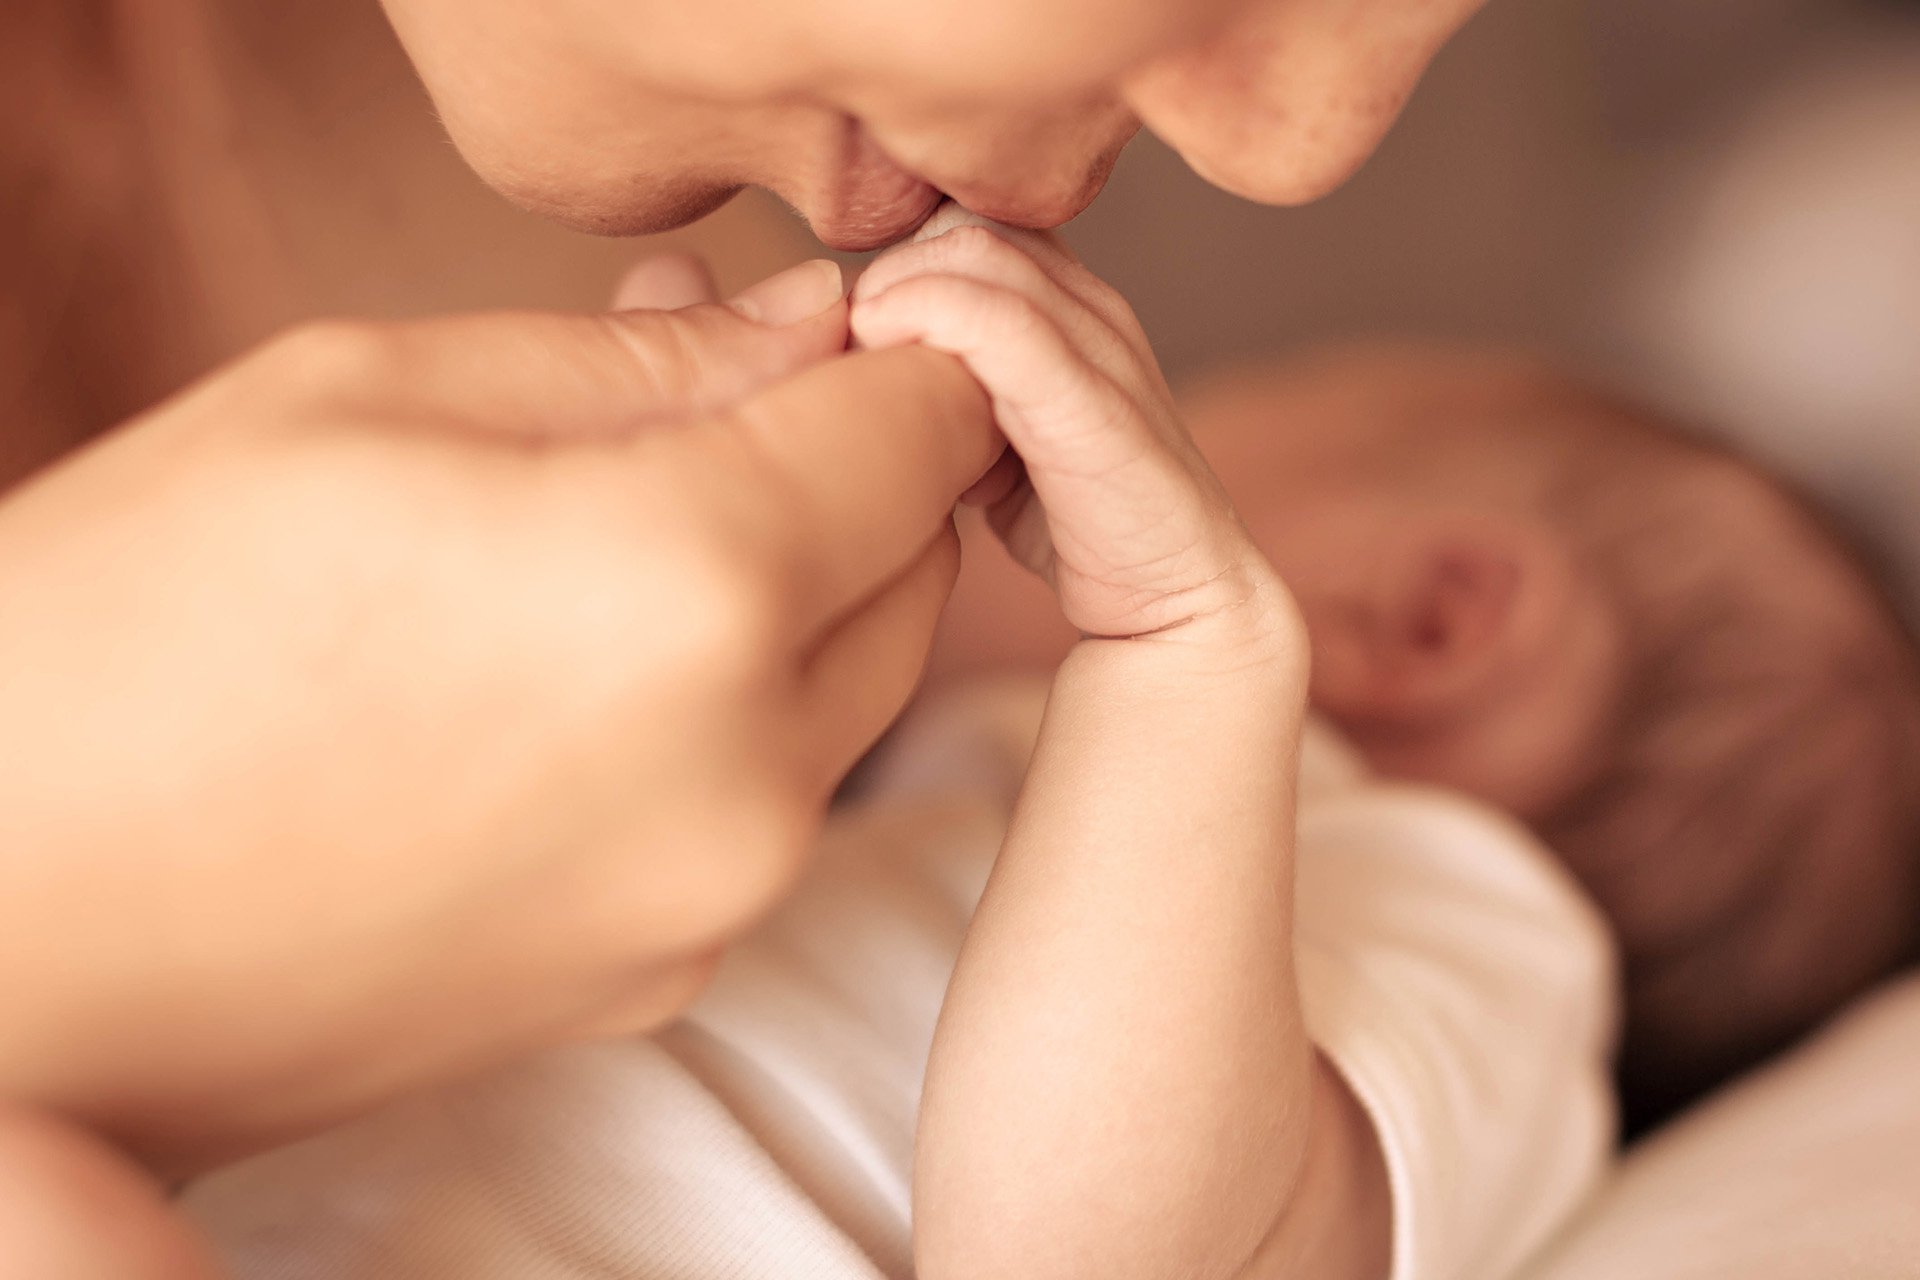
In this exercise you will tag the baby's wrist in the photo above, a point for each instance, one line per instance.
(1239, 604)
(1244, 627)
(1186, 697)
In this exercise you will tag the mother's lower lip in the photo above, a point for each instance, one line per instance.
(870, 200)
(875, 225)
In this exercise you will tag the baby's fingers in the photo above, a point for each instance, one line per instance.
(1067, 419)
(993, 256)
(1061, 265)
(1124, 511)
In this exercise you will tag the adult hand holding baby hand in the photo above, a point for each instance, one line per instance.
(1102, 492)
(407, 696)
(1140, 899)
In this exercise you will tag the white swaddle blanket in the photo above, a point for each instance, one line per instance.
(1449, 968)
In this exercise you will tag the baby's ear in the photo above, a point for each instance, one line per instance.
(1458, 618)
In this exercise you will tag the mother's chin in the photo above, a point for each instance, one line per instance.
(628, 205)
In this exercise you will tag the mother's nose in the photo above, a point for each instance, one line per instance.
(1282, 106)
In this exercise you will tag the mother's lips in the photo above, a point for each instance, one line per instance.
(874, 223)
(871, 201)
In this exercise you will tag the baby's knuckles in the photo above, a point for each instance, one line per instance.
(971, 245)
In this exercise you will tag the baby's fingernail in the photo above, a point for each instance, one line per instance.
(796, 294)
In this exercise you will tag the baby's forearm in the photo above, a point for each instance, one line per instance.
(1121, 1085)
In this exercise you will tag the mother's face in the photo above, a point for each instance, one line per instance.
(626, 116)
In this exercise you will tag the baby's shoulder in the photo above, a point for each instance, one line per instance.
(1386, 846)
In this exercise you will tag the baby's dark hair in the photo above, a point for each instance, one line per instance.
(1754, 830)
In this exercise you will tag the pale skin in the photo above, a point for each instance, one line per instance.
(1122, 1042)
(273, 628)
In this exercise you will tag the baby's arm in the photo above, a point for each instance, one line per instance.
(1122, 1085)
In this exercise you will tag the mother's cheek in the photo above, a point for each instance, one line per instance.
(568, 138)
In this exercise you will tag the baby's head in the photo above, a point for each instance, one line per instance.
(1646, 648)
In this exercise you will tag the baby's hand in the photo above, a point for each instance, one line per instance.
(1102, 493)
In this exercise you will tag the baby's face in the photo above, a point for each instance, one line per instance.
(634, 115)
(1456, 638)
